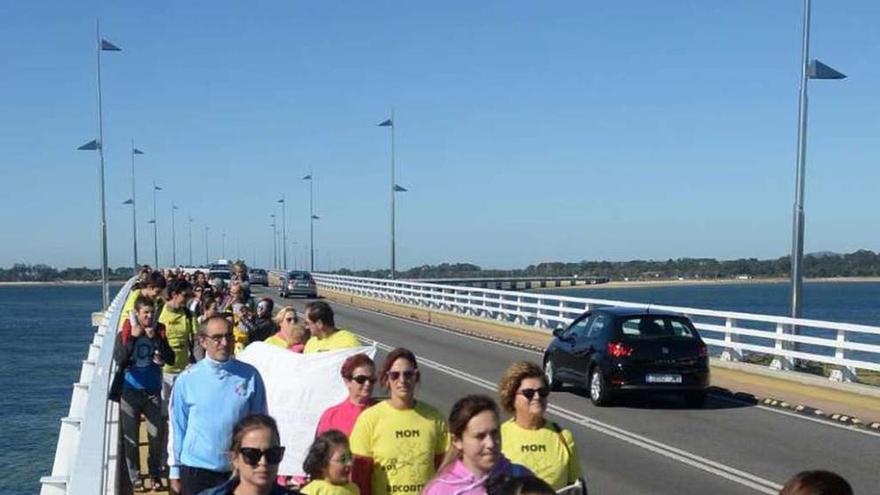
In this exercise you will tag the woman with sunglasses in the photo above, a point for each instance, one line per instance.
(255, 454)
(399, 442)
(530, 439)
(474, 456)
(292, 334)
(328, 465)
(359, 374)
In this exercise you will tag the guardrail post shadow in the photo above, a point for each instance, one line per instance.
(538, 315)
(842, 373)
(520, 319)
(780, 362)
(501, 316)
(730, 352)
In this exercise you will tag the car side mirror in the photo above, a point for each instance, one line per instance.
(558, 331)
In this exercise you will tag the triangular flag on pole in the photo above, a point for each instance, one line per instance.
(137, 151)
(398, 188)
(128, 202)
(109, 47)
(386, 123)
(307, 177)
(90, 146)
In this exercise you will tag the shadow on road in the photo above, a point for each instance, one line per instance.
(718, 398)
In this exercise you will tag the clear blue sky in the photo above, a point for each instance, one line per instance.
(527, 131)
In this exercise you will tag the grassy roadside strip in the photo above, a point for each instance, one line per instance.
(811, 398)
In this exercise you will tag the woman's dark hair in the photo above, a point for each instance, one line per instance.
(252, 422)
(393, 356)
(355, 362)
(321, 451)
(518, 485)
(816, 483)
(177, 286)
(320, 311)
(155, 280)
(462, 412)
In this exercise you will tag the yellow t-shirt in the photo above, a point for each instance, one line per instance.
(128, 307)
(324, 487)
(542, 451)
(402, 445)
(181, 334)
(341, 339)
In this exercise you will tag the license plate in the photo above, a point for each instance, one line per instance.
(663, 378)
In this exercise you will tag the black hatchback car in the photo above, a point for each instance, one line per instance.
(610, 350)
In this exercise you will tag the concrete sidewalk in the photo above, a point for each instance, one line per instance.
(851, 404)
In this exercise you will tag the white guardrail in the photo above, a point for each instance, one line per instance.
(86, 455)
(733, 334)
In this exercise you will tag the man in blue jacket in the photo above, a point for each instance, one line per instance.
(206, 402)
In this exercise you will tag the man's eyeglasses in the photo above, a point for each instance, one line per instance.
(529, 393)
(362, 379)
(407, 375)
(252, 455)
(218, 339)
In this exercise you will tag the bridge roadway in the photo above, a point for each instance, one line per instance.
(640, 447)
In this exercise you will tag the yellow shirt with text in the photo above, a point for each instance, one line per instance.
(324, 487)
(402, 445)
(341, 339)
(542, 451)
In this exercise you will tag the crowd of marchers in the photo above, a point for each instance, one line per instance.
(209, 430)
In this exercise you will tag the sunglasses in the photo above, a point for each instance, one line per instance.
(529, 393)
(252, 455)
(407, 375)
(362, 379)
(220, 338)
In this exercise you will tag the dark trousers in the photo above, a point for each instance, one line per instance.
(193, 480)
(132, 404)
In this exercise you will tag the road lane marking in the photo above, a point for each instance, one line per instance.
(800, 416)
(722, 470)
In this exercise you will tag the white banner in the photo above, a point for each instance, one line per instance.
(299, 388)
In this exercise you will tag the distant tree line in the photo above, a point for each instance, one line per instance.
(21, 272)
(862, 263)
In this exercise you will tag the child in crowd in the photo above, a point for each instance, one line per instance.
(328, 465)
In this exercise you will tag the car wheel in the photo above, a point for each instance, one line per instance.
(599, 393)
(553, 383)
(695, 399)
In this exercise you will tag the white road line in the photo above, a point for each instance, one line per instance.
(774, 410)
(722, 470)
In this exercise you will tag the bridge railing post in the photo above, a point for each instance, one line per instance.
(842, 373)
(730, 353)
(780, 362)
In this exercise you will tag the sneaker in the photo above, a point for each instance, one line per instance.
(138, 485)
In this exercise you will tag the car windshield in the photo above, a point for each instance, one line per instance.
(652, 327)
(299, 276)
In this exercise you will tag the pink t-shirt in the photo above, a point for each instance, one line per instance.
(341, 417)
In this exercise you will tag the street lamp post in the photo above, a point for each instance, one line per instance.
(395, 188)
(283, 231)
(155, 223)
(190, 241)
(223, 245)
(274, 242)
(312, 218)
(134, 235)
(173, 236)
(207, 258)
(98, 145)
(810, 69)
